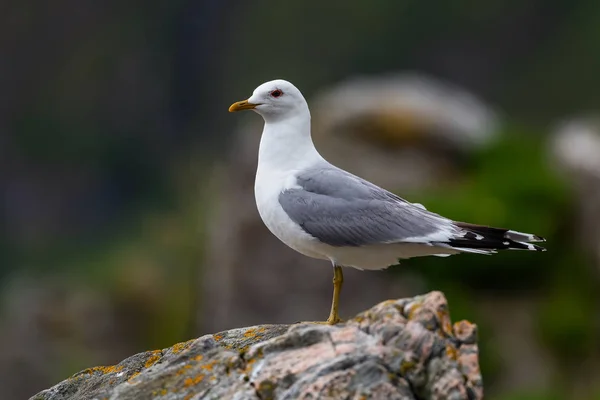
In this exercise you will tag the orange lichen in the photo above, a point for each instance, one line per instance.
(254, 332)
(451, 352)
(104, 370)
(250, 333)
(217, 337)
(208, 366)
(406, 366)
(133, 376)
(182, 370)
(444, 319)
(161, 392)
(156, 355)
(193, 381)
(464, 328)
(249, 364)
(244, 349)
(179, 347)
(413, 310)
(198, 357)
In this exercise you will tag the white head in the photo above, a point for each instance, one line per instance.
(275, 101)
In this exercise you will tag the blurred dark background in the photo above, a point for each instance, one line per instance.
(127, 213)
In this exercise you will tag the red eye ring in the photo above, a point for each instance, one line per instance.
(276, 93)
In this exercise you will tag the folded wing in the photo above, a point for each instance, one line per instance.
(341, 209)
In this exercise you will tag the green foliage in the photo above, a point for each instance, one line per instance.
(566, 320)
(508, 184)
(539, 395)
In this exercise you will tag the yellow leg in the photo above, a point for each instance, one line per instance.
(338, 280)
(334, 318)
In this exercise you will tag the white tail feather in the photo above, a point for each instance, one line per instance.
(523, 237)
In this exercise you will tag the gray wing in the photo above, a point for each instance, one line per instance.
(341, 209)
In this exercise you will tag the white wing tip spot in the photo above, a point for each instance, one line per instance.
(419, 205)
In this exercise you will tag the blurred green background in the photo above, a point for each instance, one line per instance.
(113, 118)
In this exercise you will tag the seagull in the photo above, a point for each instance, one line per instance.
(327, 213)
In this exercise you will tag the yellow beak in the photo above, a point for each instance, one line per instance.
(242, 105)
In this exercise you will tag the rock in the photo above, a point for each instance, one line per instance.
(399, 349)
(402, 131)
(401, 105)
(575, 147)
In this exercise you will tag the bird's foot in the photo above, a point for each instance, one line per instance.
(330, 321)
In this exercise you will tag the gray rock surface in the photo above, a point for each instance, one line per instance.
(399, 349)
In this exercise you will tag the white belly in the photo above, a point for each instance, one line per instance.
(380, 256)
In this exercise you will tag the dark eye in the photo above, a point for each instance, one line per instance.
(276, 93)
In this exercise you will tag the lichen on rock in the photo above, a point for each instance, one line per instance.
(400, 349)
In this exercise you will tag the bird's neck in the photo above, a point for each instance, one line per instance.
(287, 145)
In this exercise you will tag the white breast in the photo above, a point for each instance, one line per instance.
(268, 186)
(285, 148)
